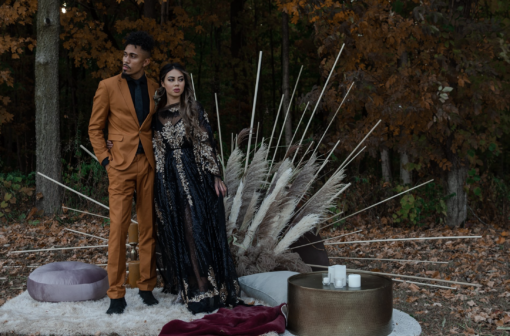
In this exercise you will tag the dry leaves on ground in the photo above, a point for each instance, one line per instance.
(463, 310)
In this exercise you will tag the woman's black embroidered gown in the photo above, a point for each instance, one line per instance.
(195, 258)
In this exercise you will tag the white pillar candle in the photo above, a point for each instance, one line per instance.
(354, 280)
(325, 281)
(339, 283)
(343, 274)
(331, 273)
(338, 272)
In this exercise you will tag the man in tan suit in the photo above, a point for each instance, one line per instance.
(124, 104)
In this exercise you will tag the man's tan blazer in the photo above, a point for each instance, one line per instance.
(113, 106)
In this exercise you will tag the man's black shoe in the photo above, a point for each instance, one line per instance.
(117, 306)
(148, 298)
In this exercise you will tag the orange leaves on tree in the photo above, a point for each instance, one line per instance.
(13, 12)
(402, 61)
(93, 43)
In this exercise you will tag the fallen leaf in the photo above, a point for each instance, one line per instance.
(31, 213)
(411, 299)
(414, 288)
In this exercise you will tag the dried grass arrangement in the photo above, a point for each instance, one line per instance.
(264, 218)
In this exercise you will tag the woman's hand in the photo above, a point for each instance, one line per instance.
(220, 187)
(109, 144)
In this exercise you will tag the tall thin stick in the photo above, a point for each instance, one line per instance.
(332, 119)
(313, 179)
(274, 126)
(393, 260)
(306, 152)
(324, 163)
(402, 239)
(297, 127)
(256, 136)
(89, 152)
(373, 205)
(424, 284)
(76, 192)
(59, 248)
(253, 112)
(85, 234)
(219, 131)
(285, 119)
(193, 84)
(320, 97)
(404, 276)
(347, 234)
(366, 136)
(355, 156)
(85, 212)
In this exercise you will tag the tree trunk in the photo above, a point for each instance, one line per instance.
(385, 164)
(47, 118)
(405, 175)
(456, 206)
(149, 9)
(237, 42)
(236, 32)
(273, 88)
(164, 11)
(285, 76)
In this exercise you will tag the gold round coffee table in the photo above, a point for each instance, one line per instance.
(318, 310)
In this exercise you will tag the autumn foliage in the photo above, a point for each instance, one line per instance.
(435, 72)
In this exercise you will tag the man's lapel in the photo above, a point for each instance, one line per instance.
(126, 94)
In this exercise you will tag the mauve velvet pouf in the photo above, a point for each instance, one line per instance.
(67, 281)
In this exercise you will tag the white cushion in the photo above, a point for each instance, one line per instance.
(270, 287)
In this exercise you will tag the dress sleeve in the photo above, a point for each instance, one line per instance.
(207, 148)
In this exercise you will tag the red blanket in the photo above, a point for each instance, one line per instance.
(239, 321)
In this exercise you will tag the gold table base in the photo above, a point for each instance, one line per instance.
(318, 310)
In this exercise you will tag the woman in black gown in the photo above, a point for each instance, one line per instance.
(194, 259)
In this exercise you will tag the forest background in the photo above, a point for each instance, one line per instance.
(435, 72)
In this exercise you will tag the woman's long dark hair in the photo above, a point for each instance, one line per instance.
(188, 108)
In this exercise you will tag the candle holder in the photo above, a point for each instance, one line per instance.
(325, 279)
(134, 264)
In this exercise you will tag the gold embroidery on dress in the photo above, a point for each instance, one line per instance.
(159, 152)
(212, 279)
(204, 154)
(182, 176)
(185, 296)
(223, 293)
(174, 134)
(236, 286)
(200, 297)
(158, 211)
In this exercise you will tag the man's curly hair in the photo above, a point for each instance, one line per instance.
(140, 39)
